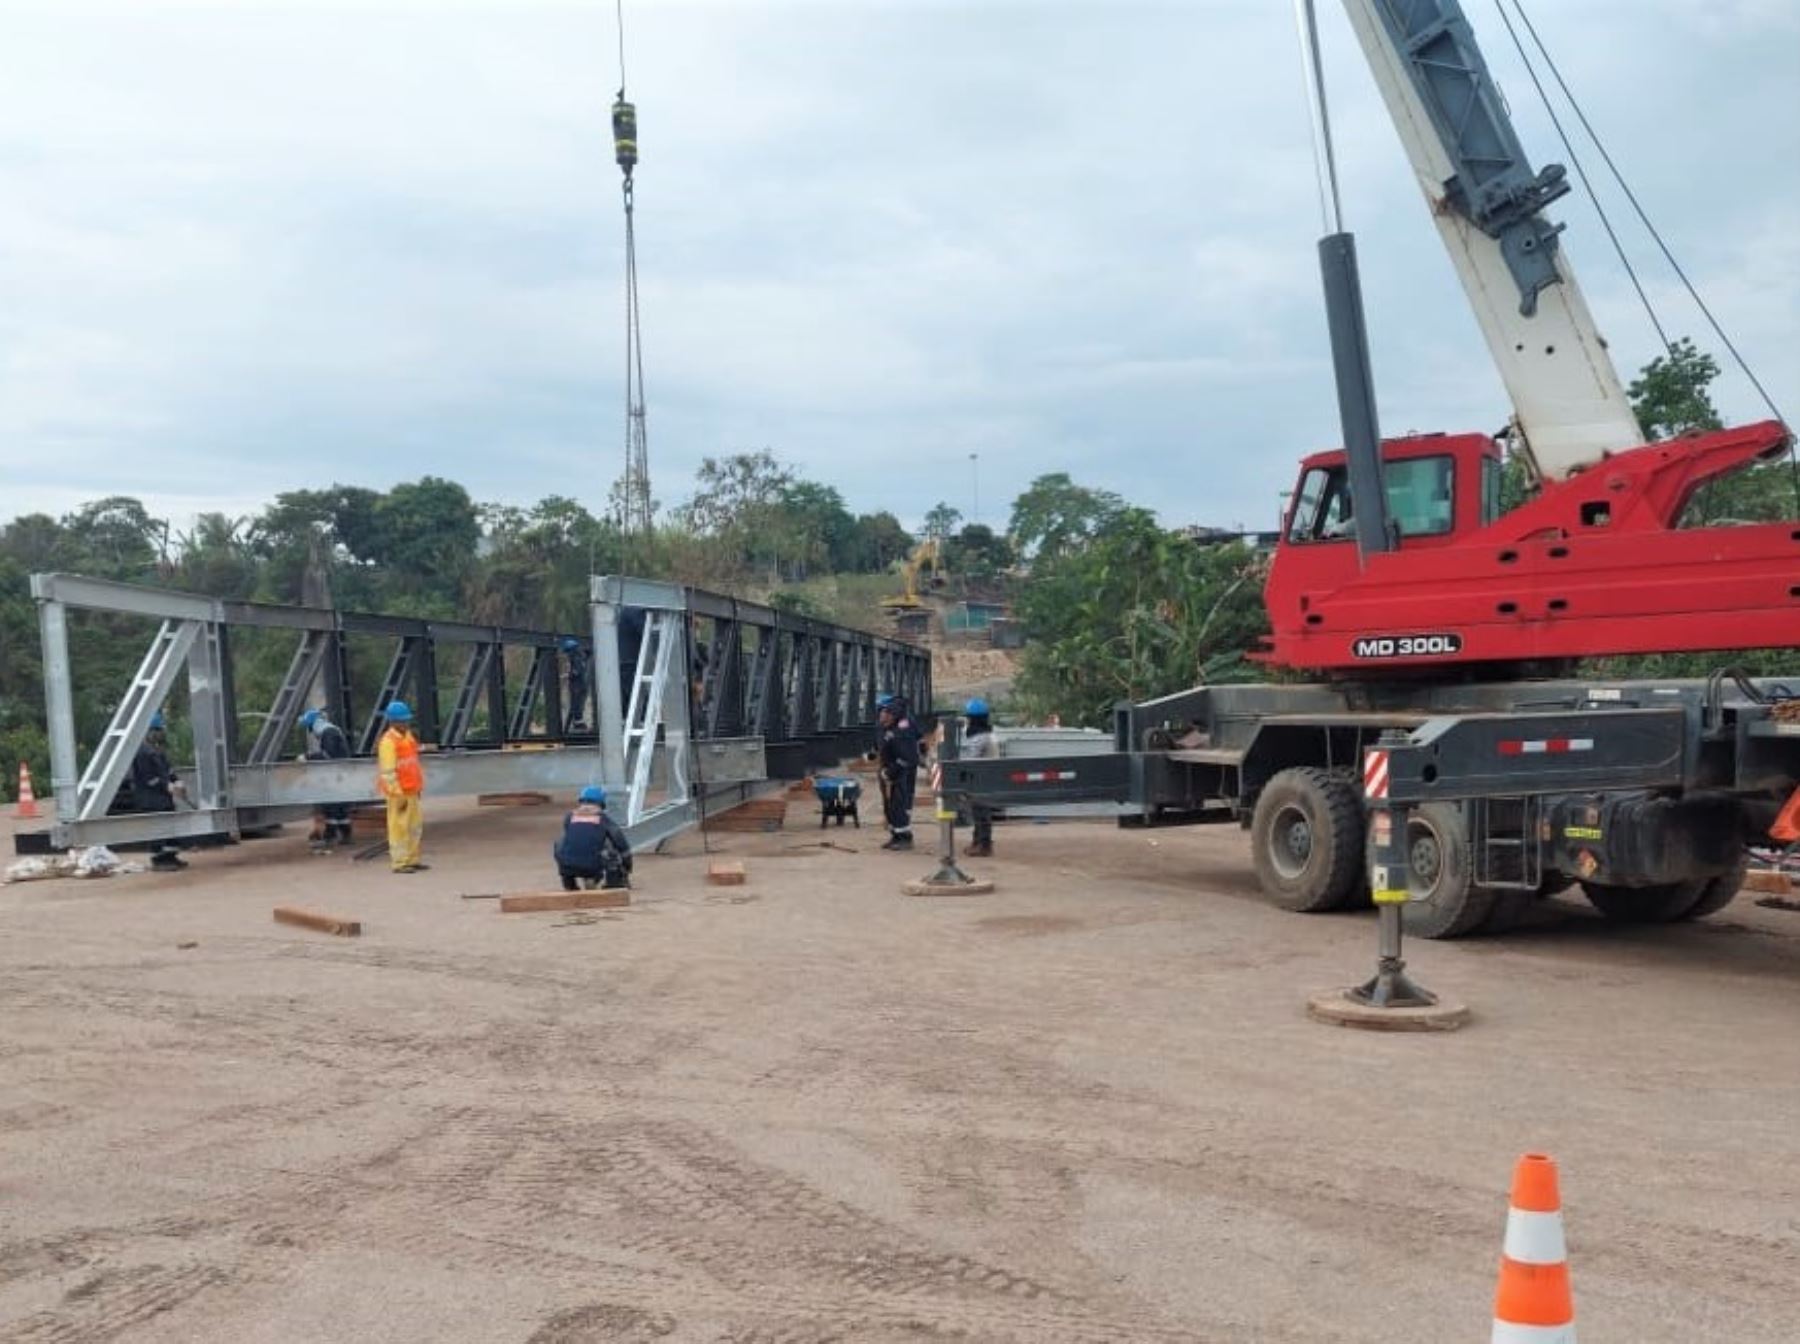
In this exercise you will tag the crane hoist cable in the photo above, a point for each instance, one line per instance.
(635, 508)
(1643, 215)
(1586, 183)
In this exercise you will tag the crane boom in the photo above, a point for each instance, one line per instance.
(1568, 404)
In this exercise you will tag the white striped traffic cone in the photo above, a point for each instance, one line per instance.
(1534, 1304)
(27, 806)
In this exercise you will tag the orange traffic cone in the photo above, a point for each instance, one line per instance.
(1787, 826)
(1534, 1305)
(27, 808)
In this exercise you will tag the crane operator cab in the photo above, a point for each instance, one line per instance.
(1437, 485)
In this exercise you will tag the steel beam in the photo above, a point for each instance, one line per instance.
(59, 703)
(72, 590)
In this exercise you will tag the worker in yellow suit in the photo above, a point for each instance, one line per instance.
(402, 782)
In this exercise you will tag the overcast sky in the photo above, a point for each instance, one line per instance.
(246, 248)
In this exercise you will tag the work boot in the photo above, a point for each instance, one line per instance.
(165, 862)
(902, 840)
(981, 849)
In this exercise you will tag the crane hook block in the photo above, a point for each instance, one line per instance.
(624, 117)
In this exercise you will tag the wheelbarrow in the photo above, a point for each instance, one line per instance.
(837, 798)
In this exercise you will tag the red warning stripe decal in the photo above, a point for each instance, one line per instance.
(1546, 746)
(1375, 773)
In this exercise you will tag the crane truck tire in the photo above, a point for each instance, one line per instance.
(1307, 839)
(1669, 902)
(1440, 872)
(1659, 904)
(1511, 905)
(1719, 893)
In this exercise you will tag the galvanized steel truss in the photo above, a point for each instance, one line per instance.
(719, 696)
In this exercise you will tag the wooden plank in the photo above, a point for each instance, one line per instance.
(1768, 879)
(318, 922)
(727, 873)
(530, 902)
(520, 798)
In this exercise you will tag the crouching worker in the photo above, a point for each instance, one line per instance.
(593, 847)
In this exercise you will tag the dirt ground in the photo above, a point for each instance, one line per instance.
(1086, 1107)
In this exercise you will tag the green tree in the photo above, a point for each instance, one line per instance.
(426, 529)
(1673, 393)
(215, 558)
(1055, 515)
(941, 521)
(813, 529)
(114, 538)
(879, 542)
(734, 492)
(1134, 613)
(736, 507)
(537, 562)
(977, 552)
(1672, 397)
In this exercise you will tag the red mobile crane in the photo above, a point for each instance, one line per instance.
(1440, 623)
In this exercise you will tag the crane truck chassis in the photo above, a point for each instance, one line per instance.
(1645, 792)
(1434, 612)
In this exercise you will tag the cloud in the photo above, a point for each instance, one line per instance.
(247, 248)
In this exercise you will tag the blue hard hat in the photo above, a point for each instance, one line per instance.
(570, 643)
(594, 794)
(308, 719)
(976, 708)
(883, 700)
(156, 720)
(399, 712)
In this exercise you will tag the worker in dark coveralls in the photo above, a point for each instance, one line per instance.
(578, 684)
(152, 786)
(593, 848)
(898, 755)
(327, 742)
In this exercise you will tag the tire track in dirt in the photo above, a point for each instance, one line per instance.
(110, 1302)
(735, 1234)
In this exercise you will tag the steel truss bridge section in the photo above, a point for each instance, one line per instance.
(680, 708)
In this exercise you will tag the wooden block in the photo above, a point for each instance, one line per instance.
(321, 923)
(529, 902)
(1768, 879)
(756, 815)
(727, 873)
(522, 798)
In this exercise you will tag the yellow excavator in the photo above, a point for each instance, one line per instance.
(925, 556)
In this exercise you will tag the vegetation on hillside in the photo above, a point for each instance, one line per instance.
(1116, 606)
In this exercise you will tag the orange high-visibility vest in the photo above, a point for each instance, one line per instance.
(398, 754)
